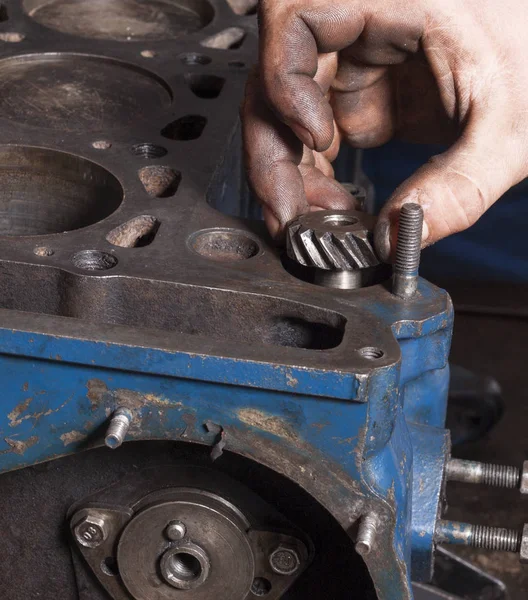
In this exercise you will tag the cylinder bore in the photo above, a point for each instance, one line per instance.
(122, 20)
(44, 191)
(78, 93)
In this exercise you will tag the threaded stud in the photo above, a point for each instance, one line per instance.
(408, 248)
(118, 428)
(496, 538)
(478, 536)
(469, 471)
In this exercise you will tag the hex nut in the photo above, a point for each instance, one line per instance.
(523, 555)
(284, 560)
(524, 478)
(91, 531)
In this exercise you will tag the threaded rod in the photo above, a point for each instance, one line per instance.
(469, 471)
(408, 248)
(118, 428)
(478, 536)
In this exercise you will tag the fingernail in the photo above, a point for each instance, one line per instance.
(382, 240)
(303, 134)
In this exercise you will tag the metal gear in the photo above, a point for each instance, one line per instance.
(332, 240)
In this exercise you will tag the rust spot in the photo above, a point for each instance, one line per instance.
(291, 380)
(14, 415)
(269, 423)
(25, 387)
(72, 437)
(96, 389)
(20, 447)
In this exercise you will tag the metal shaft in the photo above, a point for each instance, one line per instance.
(478, 536)
(469, 471)
(118, 428)
(408, 247)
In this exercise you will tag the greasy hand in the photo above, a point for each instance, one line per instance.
(363, 71)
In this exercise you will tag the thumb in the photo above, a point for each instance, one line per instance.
(454, 188)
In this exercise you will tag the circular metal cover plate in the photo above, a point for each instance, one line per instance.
(143, 543)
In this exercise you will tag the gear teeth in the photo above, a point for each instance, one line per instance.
(366, 250)
(334, 256)
(328, 247)
(293, 247)
(313, 249)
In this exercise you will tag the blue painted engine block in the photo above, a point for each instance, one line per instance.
(360, 426)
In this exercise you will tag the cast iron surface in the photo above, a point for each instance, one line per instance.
(104, 134)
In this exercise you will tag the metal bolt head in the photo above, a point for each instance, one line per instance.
(524, 478)
(523, 555)
(284, 560)
(91, 531)
(175, 531)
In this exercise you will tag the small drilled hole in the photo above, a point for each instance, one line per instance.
(148, 53)
(260, 587)
(159, 181)
(205, 86)
(236, 64)
(102, 145)
(224, 245)
(185, 128)
(371, 353)
(3, 13)
(149, 151)
(12, 37)
(94, 260)
(340, 220)
(109, 566)
(194, 58)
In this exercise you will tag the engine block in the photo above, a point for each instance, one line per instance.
(137, 278)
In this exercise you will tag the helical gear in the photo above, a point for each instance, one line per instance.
(332, 240)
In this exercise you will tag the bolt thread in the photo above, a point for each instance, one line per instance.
(501, 476)
(118, 428)
(495, 538)
(409, 242)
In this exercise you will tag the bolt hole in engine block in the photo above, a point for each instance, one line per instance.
(109, 566)
(45, 192)
(94, 260)
(149, 151)
(371, 353)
